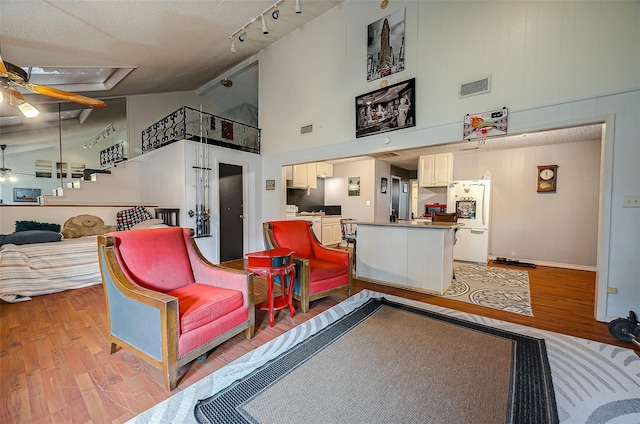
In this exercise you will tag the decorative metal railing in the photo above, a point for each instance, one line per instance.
(191, 124)
(112, 155)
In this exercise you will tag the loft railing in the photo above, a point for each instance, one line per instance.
(191, 124)
(112, 155)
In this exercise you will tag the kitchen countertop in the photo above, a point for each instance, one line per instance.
(414, 223)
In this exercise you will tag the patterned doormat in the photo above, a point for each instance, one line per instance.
(497, 288)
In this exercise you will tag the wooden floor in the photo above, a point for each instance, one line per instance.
(55, 365)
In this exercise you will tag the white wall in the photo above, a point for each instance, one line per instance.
(556, 229)
(335, 189)
(551, 64)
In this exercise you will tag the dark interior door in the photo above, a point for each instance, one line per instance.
(230, 187)
(395, 197)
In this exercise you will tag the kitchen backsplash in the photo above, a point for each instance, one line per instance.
(313, 202)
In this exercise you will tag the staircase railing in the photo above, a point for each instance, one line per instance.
(191, 124)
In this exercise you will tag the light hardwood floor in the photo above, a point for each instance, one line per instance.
(55, 365)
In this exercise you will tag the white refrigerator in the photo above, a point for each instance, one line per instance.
(472, 200)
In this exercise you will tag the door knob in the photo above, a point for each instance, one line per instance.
(241, 216)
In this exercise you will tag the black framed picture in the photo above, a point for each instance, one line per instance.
(387, 109)
(383, 185)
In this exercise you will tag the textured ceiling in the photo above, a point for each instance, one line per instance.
(173, 45)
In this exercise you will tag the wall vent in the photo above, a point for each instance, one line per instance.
(474, 88)
(306, 129)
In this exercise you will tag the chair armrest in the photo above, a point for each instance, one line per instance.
(329, 254)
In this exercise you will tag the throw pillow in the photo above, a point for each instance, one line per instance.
(149, 223)
(34, 225)
(125, 219)
(30, 236)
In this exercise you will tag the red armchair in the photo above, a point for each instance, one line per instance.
(166, 303)
(320, 271)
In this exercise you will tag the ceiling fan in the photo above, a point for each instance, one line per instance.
(12, 76)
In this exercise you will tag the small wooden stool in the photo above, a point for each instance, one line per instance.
(269, 263)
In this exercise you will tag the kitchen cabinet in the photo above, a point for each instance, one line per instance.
(435, 170)
(331, 231)
(324, 169)
(304, 176)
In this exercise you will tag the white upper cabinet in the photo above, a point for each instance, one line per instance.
(435, 170)
(304, 175)
(324, 169)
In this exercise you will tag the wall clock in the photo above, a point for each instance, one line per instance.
(547, 178)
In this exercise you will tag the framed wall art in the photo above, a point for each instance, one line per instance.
(385, 46)
(386, 109)
(383, 185)
(353, 186)
(26, 195)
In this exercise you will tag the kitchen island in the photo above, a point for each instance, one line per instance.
(412, 255)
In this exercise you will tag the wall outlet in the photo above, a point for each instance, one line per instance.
(612, 290)
(631, 201)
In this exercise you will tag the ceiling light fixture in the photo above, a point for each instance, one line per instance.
(298, 9)
(233, 50)
(226, 82)
(275, 13)
(5, 173)
(16, 99)
(102, 134)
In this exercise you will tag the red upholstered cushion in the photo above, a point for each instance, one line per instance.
(200, 304)
(155, 258)
(321, 270)
(294, 235)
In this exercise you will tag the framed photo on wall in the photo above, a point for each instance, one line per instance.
(386, 109)
(383, 185)
(385, 46)
(26, 195)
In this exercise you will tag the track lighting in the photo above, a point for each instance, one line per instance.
(298, 9)
(275, 14)
(233, 47)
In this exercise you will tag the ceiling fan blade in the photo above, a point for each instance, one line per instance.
(17, 99)
(65, 95)
(3, 69)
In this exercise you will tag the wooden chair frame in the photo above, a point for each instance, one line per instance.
(304, 271)
(156, 342)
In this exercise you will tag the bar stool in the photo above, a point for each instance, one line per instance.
(269, 263)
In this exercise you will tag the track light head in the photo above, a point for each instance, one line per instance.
(298, 9)
(265, 30)
(232, 50)
(275, 14)
(242, 36)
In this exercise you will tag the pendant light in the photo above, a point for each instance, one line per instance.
(5, 173)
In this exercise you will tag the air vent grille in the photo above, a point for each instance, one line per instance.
(385, 155)
(306, 129)
(474, 88)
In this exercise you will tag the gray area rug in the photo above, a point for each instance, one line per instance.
(389, 363)
(594, 383)
(497, 288)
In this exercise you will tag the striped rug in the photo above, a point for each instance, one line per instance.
(594, 383)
